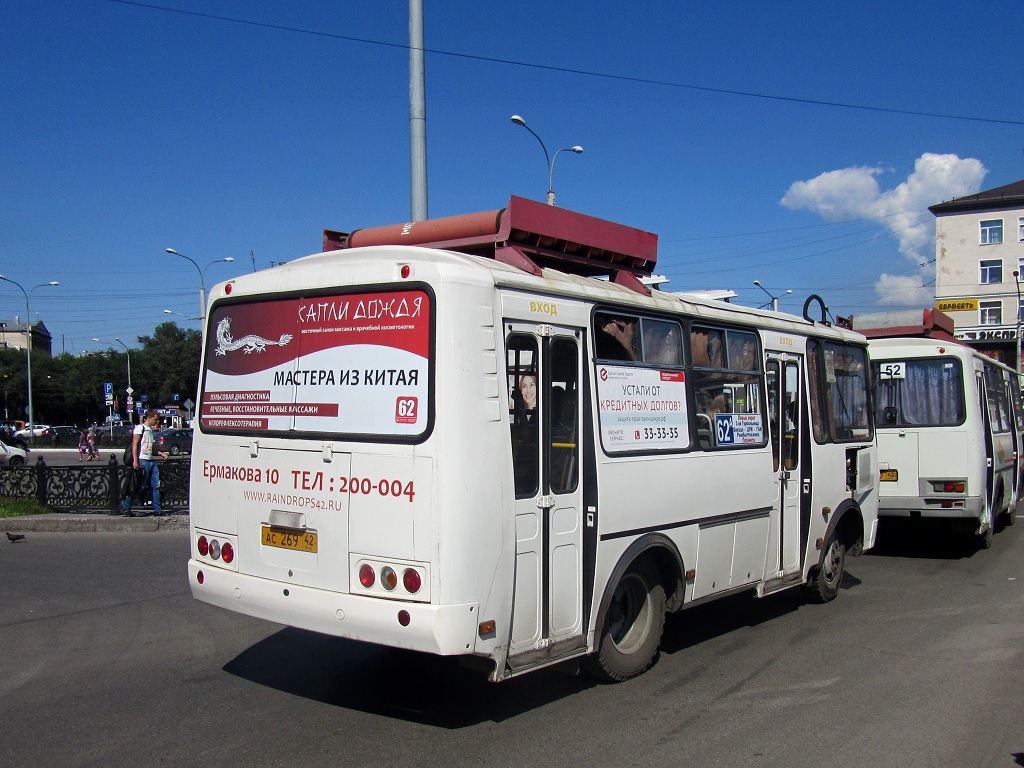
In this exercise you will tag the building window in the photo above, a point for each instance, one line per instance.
(992, 232)
(991, 271)
(1020, 229)
(991, 313)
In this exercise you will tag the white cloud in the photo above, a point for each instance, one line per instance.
(855, 193)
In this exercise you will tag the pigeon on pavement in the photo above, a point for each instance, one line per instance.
(15, 537)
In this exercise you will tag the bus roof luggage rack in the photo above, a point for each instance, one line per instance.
(528, 235)
(925, 324)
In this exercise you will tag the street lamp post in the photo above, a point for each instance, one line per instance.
(202, 278)
(179, 314)
(775, 299)
(1016, 279)
(28, 341)
(128, 355)
(549, 158)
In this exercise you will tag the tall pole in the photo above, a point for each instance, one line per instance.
(28, 342)
(1016, 279)
(417, 114)
(202, 279)
(128, 355)
(550, 160)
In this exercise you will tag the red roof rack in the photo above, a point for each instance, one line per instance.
(926, 323)
(528, 235)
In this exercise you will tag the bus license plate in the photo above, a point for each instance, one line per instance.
(300, 541)
(888, 475)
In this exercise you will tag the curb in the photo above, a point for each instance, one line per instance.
(67, 523)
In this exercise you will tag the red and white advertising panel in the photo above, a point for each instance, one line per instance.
(641, 409)
(345, 363)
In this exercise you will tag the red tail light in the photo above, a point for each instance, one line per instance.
(203, 546)
(411, 581)
(227, 552)
(366, 575)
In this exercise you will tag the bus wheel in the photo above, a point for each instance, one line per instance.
(824, 582)
(632, 627)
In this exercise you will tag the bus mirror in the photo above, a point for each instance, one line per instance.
(889, 415)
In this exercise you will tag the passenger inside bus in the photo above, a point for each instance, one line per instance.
(661, 343)
(617, 338)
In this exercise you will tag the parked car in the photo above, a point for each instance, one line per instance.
(11, 456)
(64, 435)
(38, 430)
(174, 441)
(14, 442)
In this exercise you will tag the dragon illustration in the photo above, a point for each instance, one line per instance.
(248, 344)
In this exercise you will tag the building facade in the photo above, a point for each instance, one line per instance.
(12, 336)
(979, 268)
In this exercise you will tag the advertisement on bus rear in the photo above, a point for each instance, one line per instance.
(641, 409)
(342, 364)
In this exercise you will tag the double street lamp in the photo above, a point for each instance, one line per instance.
(28, 340)
(774, 299)
(202, 278)
(128, 355)
(550, 158)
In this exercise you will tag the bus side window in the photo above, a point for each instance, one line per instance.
(524, 421)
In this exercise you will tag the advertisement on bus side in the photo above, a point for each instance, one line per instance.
(642, 409)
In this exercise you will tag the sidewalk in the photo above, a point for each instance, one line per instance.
(71, 523)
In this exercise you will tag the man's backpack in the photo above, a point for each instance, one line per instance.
(126, 459)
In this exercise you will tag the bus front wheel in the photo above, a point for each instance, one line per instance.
(633, 623)
(824, 582)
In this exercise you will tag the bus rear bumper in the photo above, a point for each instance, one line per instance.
(445, 630)
(916, 506)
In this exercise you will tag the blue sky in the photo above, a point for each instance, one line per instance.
(129, 128)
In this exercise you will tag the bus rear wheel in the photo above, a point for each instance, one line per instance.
(633, 623)
(824, 582)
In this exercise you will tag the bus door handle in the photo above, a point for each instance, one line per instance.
(784, 474)
(545, 502)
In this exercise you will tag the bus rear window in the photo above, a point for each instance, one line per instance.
(354, 365)
(919, 393)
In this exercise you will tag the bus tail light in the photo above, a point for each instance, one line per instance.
(216, 549)
(949, 486)
(366, 575)
(392, 579)
(411, 580)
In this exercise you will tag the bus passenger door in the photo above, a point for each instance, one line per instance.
(543, 366)
(784, 397)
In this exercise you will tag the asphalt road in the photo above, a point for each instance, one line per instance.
(105, 660)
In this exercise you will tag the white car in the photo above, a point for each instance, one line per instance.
(38, 430)
(11, 456)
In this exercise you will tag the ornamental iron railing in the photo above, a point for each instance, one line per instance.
(93, 488)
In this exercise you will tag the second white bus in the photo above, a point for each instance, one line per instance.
(948, 427)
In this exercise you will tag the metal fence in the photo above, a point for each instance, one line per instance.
(92, 488)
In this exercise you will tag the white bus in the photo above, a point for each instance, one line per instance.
(492, 458)
(948, 427)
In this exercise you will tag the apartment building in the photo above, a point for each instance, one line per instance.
(979, 268)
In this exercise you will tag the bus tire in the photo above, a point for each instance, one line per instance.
(1010, 516)
(632, 627)
(823, 584)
